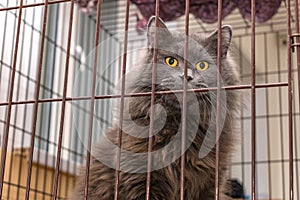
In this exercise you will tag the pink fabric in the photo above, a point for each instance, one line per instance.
(265, 9)
(206, 10)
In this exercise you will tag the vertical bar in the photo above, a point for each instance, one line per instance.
(118, 155)
(87, 44)
(88, 153)
(253, 104)
(298, 69)
(70, 150)
(150, 141)
(37, 94)
(281, 118)
(57, 130)
(40, 138)
(54, 18)
(16, 107)
(78, 144)
(242, 111)
(3, 43)
(290, 101)
(62, 116)
(297, 41)
(267, 118)
(296, 158)
(26, 106)
(11, 91)
(184, 102)
(51, 110)
(219, 71)
(12, 161)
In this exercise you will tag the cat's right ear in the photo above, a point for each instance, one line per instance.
(161, 29)
(212, 40)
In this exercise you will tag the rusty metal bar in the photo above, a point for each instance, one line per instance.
(49, 3)
(63, 106)
(290, 101)
(33, 5)
(219, 72)
(281, 120)
(253, 103)
(184, 103)
(83, 98)
(3, 43)
(242, 110)
(298, 69)
(10, 97)
(20, 163)
(268, 121)
(36, 103)
(88, 152)
(118, 153)
(276, 161)
(16, 109)
(296, 44)
(151, 128)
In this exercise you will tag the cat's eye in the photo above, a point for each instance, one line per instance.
(202, 65)
(170, 61)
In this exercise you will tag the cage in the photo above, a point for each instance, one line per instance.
(51, 83)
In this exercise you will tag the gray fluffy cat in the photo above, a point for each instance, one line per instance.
(199, 170)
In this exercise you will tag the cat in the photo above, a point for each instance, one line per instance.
(199, 171)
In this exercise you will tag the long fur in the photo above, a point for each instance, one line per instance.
(199, 172)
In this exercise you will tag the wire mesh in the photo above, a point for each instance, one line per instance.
(41, 152)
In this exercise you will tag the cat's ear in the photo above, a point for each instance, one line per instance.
(163, 33)
(212, 39)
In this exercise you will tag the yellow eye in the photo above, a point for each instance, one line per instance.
(170, 61)
(202, 65)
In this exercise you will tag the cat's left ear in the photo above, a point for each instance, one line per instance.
(163, 34)
(212, 40)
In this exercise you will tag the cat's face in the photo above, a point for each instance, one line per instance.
(202, 68)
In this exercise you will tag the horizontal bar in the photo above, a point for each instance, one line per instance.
(295, 35)
(33, 5)
(264, 162)
(295, 44)
(37, 4)
(260, 116)
(31, 189)
(239, 87)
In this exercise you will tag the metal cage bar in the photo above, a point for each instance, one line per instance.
(297, 29)
(37, 93)
(33, 5)
(84, 98)
(290, 104)
(184, 103)
(151, 128)
(63, 107)
(88, 152)
(219, 72)
(9, 108)
(253, 103)
(268, 123)
(120, 133)
(292, 114)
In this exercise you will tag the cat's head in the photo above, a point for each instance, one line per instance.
(201, 61)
